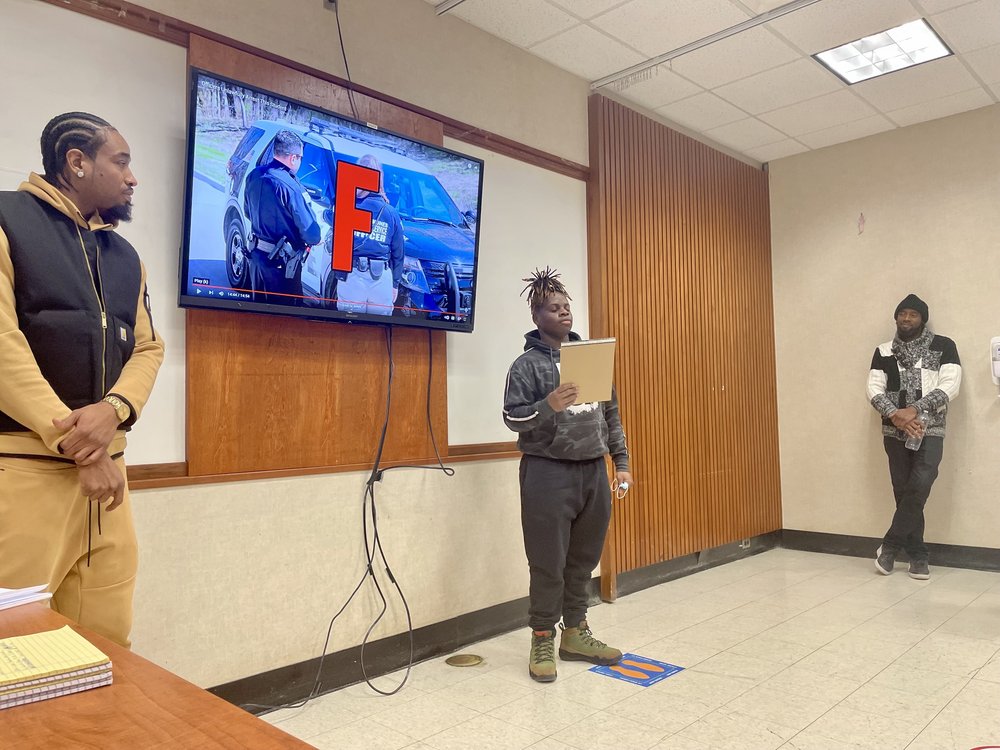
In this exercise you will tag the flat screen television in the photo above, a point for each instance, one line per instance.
(413, 261)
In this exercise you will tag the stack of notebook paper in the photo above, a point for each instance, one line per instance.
(16, 597)
(45, 665)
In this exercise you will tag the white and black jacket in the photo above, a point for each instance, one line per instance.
(927, 386)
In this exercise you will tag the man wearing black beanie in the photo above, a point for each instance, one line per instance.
(912, 380)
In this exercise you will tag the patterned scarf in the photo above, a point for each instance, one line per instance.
(908, 353)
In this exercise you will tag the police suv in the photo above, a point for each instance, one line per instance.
(440, 239)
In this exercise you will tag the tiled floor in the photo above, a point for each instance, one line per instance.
(785, 649)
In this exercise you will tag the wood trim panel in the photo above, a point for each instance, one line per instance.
(482, 449)
(150, 476)
(680, 274)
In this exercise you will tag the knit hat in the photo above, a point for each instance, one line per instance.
(913, 302)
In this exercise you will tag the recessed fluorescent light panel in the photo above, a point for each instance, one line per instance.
(891, 50)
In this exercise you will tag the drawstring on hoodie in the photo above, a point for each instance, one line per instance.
(90, 526)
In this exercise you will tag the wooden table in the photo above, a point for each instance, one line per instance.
(145, 707)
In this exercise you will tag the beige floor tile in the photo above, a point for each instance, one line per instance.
(804, 682)
(917, 680)
(542, 712)
(808, 740)
(673, 650)
(796, 711)
(960, 726)
(550, 744)
(861, 728)
(606, 731)
(677, 742)
(423, 717)
(311, 720)
(784, 649)
(950, 654)
(990, 671)
(706, 689)
(728, 728)
(897, 702)
(732, 665)
(665, 711)
(483, 733)
(484, 692)
(847, 666)
(981, 693)
(361, 734)
(769, 648)
(592, 689)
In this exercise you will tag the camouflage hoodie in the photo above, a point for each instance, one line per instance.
(579, 433)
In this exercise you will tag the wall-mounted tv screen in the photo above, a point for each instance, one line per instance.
(267, 229)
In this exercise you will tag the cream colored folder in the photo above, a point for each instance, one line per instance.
(589, 364)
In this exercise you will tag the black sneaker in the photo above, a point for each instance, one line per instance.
(884, 561)
(919, 570)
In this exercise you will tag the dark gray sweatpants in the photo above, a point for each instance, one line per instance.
(565, 510)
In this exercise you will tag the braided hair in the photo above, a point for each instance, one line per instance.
(541, 284)
(79, 130)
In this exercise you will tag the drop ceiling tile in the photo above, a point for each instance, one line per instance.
(586, 52)
(702, 112)
(778, 150)
(847, 132)
(664, 87)
(657, 26)
(922, 83)
(760, 6)
(780, 87)
(823, 111)
(937, 6)
(587, 8)
(970, 27)
(745, 134)
(985, 62)
(831, 23)
(739, 56)
(520, 22)
(948, 105)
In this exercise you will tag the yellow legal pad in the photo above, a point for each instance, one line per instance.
(55, 652)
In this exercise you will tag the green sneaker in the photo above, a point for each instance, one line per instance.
(579, 644)
(542, 659)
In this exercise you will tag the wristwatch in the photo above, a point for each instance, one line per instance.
(122, 409)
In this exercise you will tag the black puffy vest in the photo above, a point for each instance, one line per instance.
(58, 307)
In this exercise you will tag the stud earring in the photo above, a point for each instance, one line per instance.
(79, 173)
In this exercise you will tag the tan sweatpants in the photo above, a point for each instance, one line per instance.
(44, 522)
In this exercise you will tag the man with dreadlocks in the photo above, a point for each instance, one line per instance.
(565, 497)
(78, 357)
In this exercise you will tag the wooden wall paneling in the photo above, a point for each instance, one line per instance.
(680, 274)
(268, 393)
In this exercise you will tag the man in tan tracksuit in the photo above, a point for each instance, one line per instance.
(78, 357)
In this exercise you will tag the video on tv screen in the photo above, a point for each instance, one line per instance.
(267, 229)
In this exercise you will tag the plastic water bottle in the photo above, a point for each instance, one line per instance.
(913, 443)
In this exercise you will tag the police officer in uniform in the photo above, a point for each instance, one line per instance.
(373, 283)
(284, 226)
